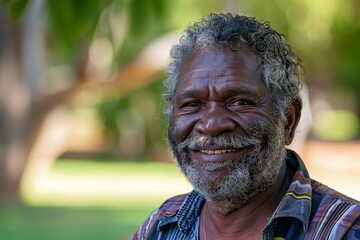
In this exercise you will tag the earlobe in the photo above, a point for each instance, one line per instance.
(292, 120)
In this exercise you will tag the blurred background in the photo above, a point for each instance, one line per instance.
(83, 150)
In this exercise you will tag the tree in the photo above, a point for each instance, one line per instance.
(69, 29)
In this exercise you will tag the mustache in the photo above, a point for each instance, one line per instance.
(222, 141)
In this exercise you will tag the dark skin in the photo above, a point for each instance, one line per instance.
(219, 91)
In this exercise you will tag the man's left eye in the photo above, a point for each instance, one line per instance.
(239, 102)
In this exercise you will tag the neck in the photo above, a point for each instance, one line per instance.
(251, 218)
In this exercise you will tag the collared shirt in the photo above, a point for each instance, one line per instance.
(309, 210)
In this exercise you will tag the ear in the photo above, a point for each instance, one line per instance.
(292, 119)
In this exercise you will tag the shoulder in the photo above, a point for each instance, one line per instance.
(167, 209)
(335, 215)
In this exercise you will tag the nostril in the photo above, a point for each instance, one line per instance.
(213, 126)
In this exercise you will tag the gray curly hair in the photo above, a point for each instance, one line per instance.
(281, 67)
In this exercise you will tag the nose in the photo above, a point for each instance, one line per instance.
(215, 121)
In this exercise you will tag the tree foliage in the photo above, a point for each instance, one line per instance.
(16, 7)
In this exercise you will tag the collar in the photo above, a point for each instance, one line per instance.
(295, 204)
(186, 214)
(297, 201)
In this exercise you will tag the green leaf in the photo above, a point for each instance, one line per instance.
(6, 2)
(72, 23)
(17, 7)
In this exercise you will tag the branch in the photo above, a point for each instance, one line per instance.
(142, 69)
(137, 73)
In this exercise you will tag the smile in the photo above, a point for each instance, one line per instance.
(218, 151)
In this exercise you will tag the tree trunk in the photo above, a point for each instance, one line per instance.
(14, 109)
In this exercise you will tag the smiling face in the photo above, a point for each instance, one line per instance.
(222, 131)
(220, 91)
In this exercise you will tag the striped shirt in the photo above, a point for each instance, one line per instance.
(309, 210)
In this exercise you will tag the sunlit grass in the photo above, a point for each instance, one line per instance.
(82, 183)
(112, 167)
(87, 199)
(19, 221)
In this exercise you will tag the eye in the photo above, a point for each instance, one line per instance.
(192, 104)
(240, 102)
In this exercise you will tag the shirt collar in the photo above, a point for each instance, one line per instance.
(187, 213)
(297, 201)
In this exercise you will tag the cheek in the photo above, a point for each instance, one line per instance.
(247, 123)
(182, 126)
(251, 123)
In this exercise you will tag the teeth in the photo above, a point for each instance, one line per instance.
(220, 151)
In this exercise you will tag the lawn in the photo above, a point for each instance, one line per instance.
(89, 200)
(20, 221)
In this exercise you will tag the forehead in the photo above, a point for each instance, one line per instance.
(219, 66)
(220, 56)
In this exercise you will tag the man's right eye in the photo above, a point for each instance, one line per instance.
(192, 104)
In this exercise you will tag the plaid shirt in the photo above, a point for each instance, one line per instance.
(309, 210)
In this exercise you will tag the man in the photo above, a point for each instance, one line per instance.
(233, 105)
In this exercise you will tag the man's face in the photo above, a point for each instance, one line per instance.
(223, 132)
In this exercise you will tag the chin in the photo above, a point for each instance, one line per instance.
(240, 186)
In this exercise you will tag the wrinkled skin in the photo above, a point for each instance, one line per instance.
(223, 132)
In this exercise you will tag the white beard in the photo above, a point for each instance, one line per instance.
(250, 176)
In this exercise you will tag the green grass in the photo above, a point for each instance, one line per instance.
(19, 221)
(56, 221)
(110, 167)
